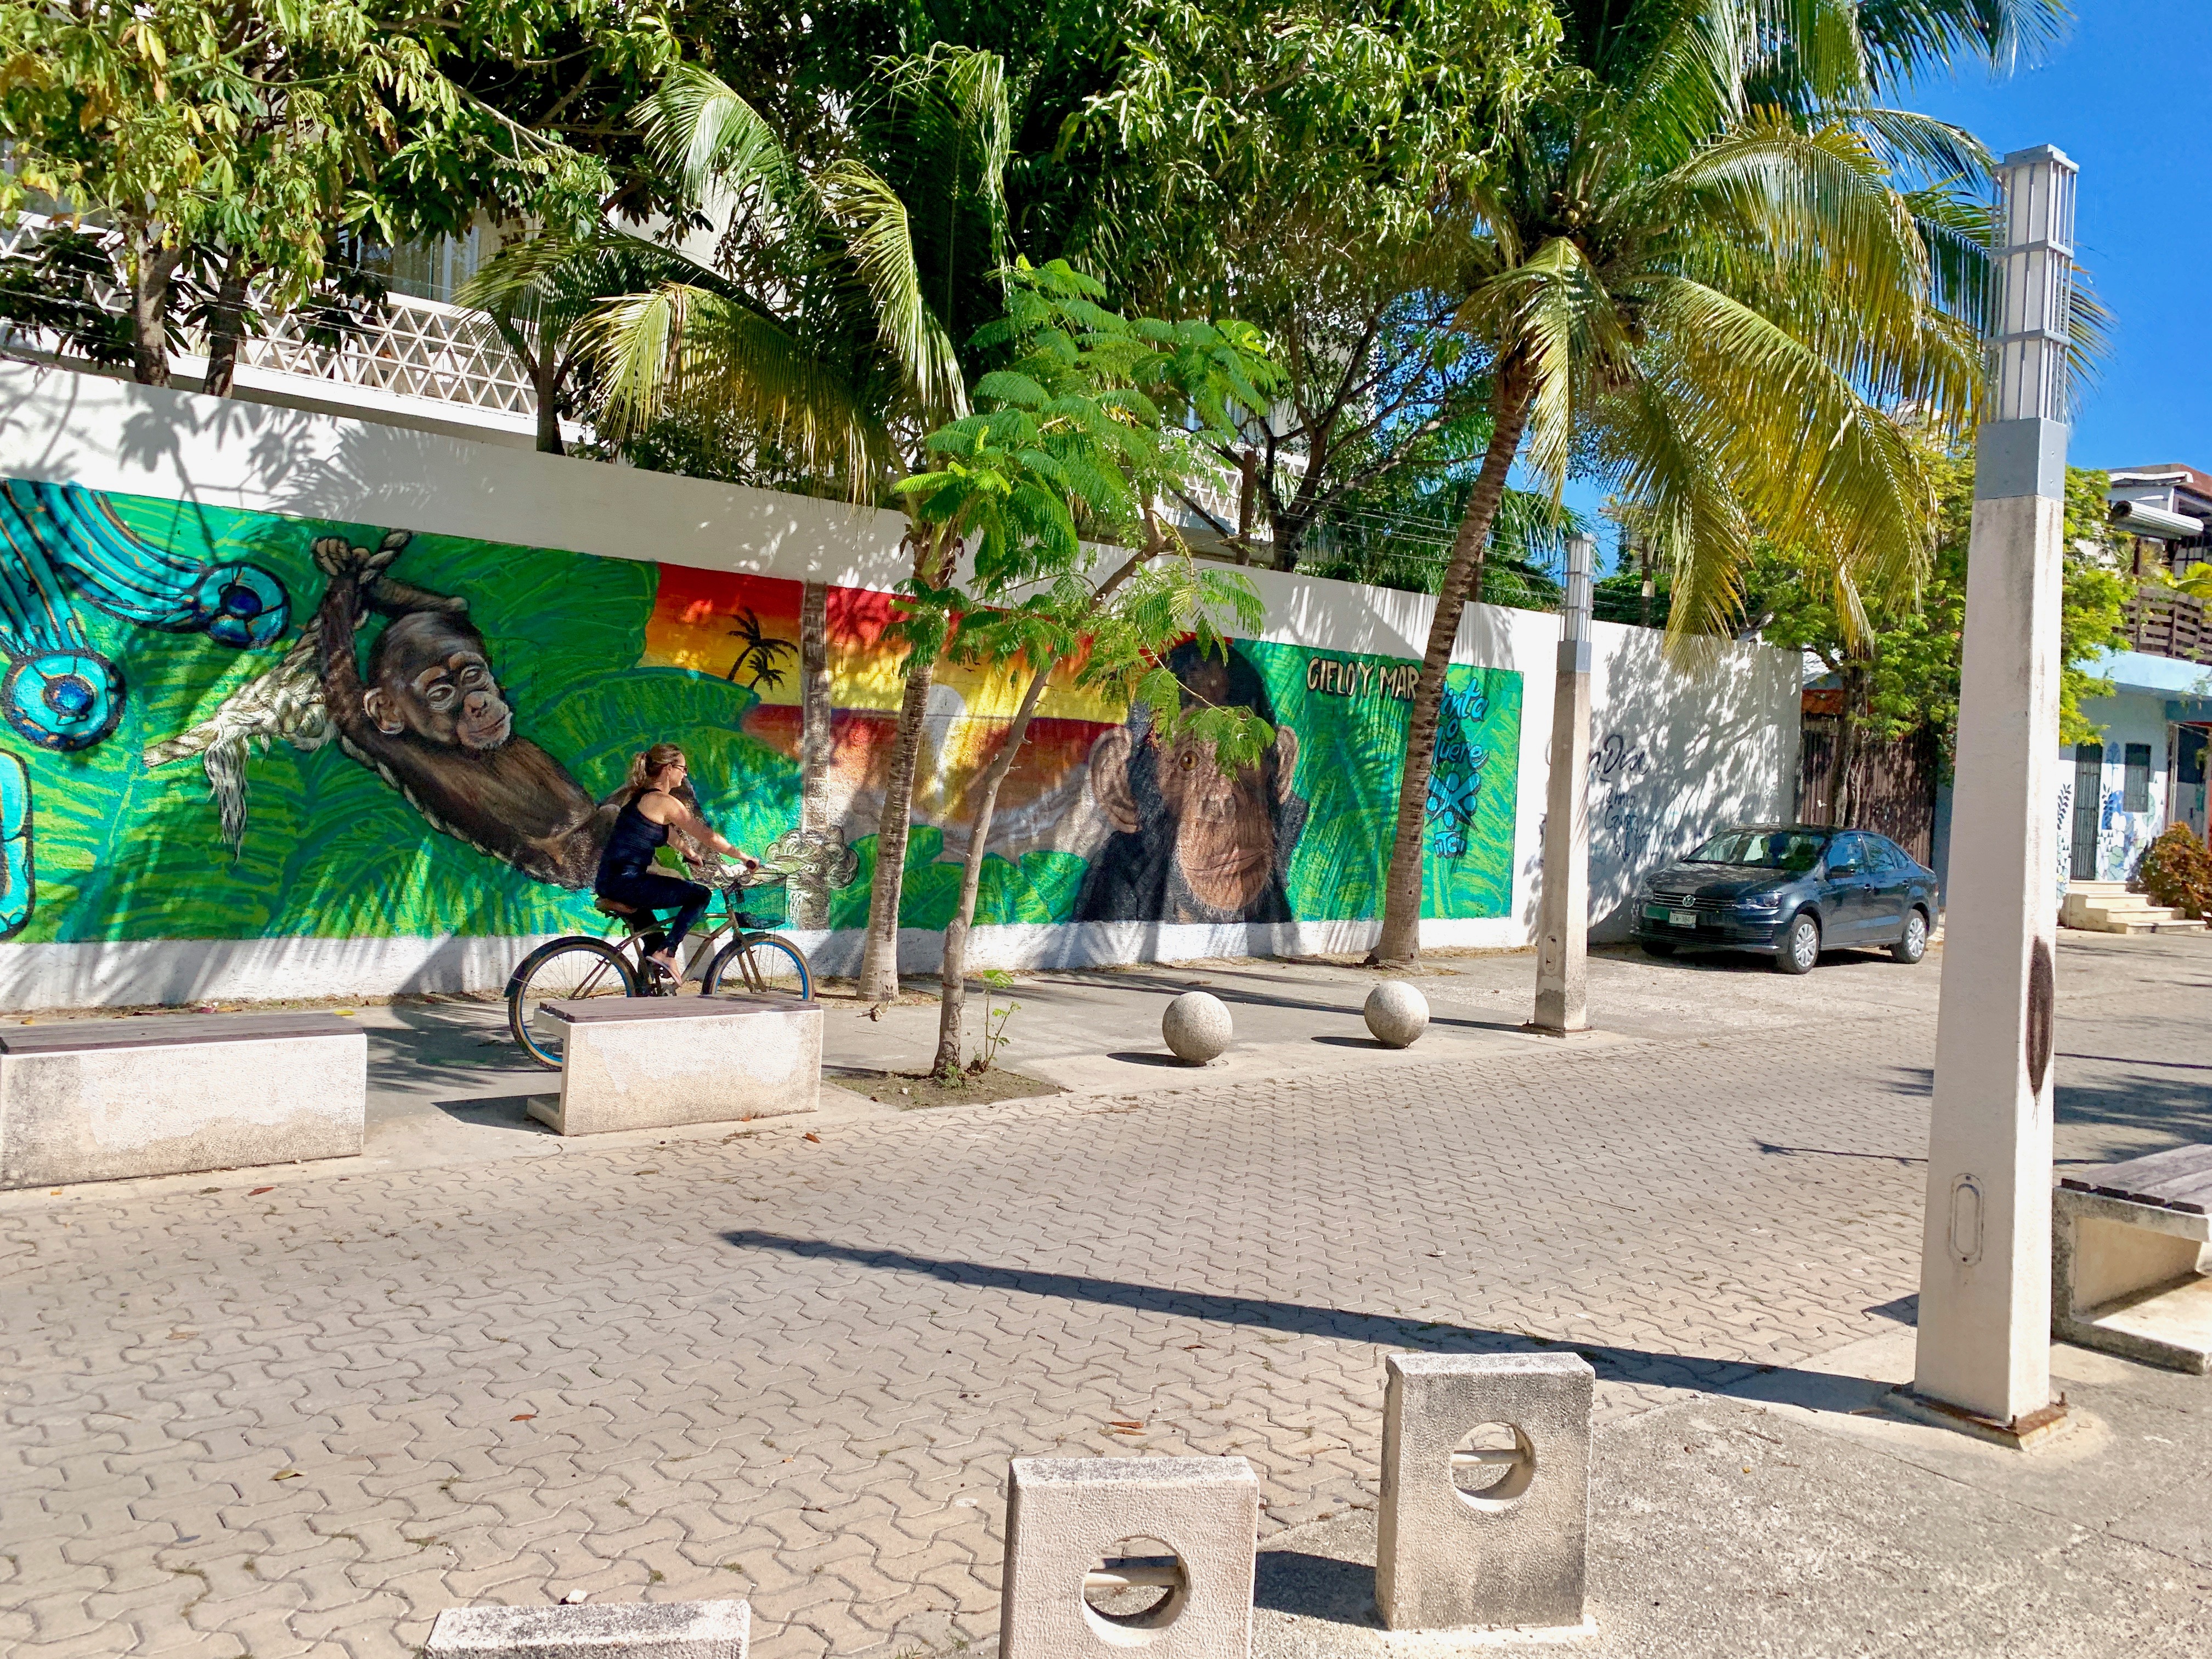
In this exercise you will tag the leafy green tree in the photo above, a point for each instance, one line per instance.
(1058, 479)
(1304, 163)
(1713, 304)
(1896, 663)
(240, 140)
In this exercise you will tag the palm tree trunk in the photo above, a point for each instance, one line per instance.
(879, 979)
(545, 384)
(810, 908)
(1400, 941)
(227, 325)
(952, 994)
(151, 265)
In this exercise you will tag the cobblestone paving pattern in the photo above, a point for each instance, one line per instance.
(300, 1417)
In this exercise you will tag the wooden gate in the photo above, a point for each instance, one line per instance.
(1894, 783)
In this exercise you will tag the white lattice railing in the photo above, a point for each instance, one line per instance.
(418, 348)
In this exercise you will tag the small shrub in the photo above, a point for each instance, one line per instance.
(2177, 872)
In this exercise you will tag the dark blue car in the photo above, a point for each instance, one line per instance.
(1791, 891)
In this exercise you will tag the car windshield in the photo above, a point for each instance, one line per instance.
(1763, 850)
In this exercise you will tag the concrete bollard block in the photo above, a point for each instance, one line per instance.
(1396, 1014)
(636, 1630)
(1488, 1527)
(1196, 1027)
(1067, 1521)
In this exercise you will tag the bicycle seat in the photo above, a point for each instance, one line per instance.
(607, 906)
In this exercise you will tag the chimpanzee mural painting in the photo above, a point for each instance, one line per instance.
(1190, 844)
(234, 725)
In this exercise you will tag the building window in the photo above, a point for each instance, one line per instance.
(2138, 798)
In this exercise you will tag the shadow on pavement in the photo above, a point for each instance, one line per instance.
(1315, 1587)
(1612, 1364)
(1238, 998)
(499, 1111)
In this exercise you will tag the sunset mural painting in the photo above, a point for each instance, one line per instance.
(272, 773)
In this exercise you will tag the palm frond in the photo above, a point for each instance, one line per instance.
(873, 219)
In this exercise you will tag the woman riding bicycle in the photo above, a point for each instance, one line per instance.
(651, 808)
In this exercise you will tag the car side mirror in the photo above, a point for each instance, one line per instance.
(1838, 871)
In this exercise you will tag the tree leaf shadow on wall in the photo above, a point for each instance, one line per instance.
(1676, 755)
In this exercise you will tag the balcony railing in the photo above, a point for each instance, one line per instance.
(417, 348)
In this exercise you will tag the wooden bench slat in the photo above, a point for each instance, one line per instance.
(2179, 1178)
(158, 1030)
(592, 1011)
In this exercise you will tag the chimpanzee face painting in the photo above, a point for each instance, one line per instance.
(1191, 844)
(428, 675)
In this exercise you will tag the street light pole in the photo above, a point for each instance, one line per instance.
(1563, 908)
(1983, 1361)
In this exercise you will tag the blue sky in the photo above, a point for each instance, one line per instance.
(2123, 94)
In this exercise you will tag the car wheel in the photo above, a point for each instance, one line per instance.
(1657, 947)
(1801, 944)
(1914, 945)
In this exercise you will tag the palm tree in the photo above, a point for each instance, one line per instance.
(1721, 304)
(818, 341)
(758, 652)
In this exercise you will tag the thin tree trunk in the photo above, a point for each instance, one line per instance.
(227, 324)
(1400, 941)
(1248, 491)
(952, 996)
(1844, 761)
(809, 906)
(545, 384)
(151, 267)
(879, 979)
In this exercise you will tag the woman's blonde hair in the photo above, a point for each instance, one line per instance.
(658, 758)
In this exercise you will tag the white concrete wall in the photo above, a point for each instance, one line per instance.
(1677, 754)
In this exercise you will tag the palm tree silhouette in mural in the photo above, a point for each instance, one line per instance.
(759, 652)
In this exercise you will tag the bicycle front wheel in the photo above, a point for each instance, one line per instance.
(566, 970)
(758, 965)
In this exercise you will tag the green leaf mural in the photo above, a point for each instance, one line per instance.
(123, 852)
(1349, 712)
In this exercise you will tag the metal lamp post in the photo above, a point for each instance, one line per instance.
(1984, 1357)
(1562, 909)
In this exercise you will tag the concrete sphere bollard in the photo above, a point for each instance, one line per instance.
(1197, 1027)
(1396, 1013)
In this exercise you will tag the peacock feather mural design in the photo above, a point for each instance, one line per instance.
(60, 545)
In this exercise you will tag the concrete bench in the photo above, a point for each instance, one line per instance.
(657, 1062)
(107, 1099)
(2127, 1248)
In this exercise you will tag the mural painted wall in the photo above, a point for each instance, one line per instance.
(231, 724)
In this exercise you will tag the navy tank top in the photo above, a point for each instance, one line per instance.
(632, 843)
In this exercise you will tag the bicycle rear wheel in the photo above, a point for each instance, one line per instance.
(758, 965)
(567, 969)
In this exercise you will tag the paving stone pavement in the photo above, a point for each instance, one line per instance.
(300, 1415)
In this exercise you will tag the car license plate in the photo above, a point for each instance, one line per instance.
(1683, 918)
